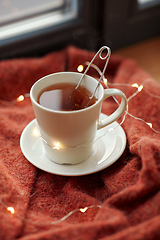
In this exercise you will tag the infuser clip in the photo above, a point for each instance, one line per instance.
(107, 57)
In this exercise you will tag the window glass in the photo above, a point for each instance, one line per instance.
(147, 3)
(11, 10)
(18, 17)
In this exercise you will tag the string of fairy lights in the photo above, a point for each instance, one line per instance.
(134, 85)
(80, 68)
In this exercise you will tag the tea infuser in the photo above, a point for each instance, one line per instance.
(107, 57)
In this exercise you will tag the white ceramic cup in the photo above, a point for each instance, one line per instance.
(68, 135)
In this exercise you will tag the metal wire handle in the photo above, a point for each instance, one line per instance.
(103, 58)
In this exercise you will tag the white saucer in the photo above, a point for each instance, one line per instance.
(108, 147)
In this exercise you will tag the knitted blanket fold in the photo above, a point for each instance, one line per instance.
(119, 202)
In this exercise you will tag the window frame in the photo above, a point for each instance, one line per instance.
(125, 23)
(107, 22)
(72, 32)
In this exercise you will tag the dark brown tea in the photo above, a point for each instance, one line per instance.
(64, 97)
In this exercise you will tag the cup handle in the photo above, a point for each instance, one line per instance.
(119, 111)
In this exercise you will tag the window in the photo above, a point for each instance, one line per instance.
(35, 27)
(142, 4)
(18, 18)
(130, 21)
(11, 10)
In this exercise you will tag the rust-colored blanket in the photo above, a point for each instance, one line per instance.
(125, 197)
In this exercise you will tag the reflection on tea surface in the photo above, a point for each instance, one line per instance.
(64, 97)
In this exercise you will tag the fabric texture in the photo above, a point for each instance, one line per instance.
(128, 192)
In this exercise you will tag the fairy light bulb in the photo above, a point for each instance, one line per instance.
(140, 88)
(20, 98)
(149, 124)
(105, 80)
(11, 209)
(83, 210)
(80, 68)
(135, 85)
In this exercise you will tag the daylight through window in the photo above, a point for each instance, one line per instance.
(19, 17)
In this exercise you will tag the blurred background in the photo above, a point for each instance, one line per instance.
(130, 28)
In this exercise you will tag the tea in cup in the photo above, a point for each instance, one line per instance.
(68, 118)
